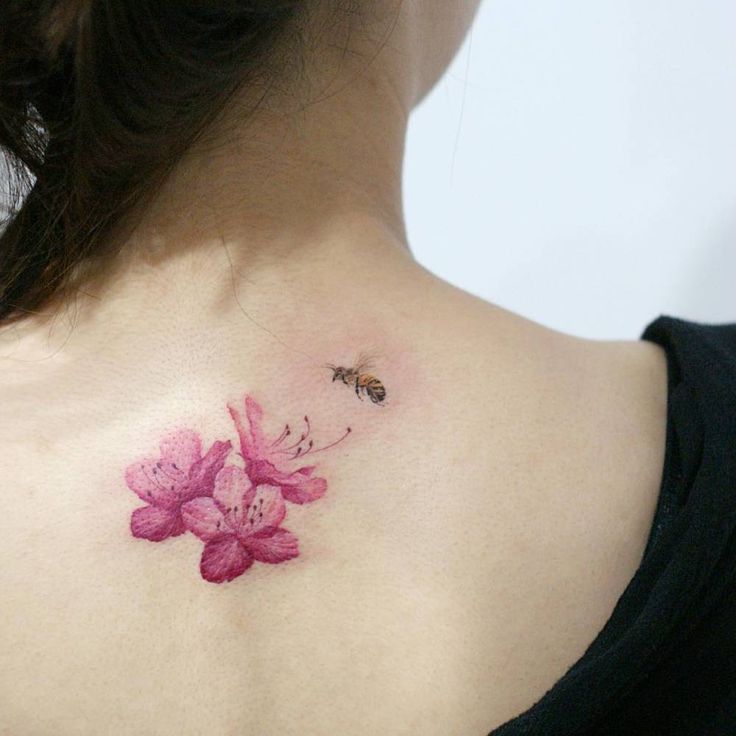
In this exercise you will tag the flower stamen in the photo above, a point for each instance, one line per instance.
(311, 449)
(284, 434)
(301, 439)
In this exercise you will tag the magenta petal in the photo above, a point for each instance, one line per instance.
(265, 508)
(252, 440)
(231, 485)
(155, 524)
(224, 559)
(203, 518)
(203, 472)
(182, 449)
(246, 445)
(254, 413)
(300, 488)
(273, 545)
(142, 477)
(139, 478)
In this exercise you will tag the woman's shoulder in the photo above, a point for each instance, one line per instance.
(664, 659)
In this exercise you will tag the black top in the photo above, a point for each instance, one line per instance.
(665, 662)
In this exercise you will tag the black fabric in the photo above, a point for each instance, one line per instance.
(665, 662)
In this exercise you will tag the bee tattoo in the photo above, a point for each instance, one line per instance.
(360, 379)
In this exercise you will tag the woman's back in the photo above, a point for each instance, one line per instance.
(477, 528)
(262, 473)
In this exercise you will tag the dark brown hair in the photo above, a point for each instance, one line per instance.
(98, 99)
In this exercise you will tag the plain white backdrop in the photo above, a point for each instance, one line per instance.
(577, 163)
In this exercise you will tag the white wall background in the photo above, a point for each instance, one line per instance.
(577, 164)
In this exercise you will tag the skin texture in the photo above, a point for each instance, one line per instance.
(476, 531)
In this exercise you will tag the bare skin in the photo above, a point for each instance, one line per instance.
(476, 533)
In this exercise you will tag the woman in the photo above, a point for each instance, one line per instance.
(262, 473)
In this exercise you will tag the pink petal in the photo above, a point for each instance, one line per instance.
(231, 485)
(273, 545)
(299, 487)
(254, 413)
(246, 446)
(239, 428)
(224, 559)
(203, 518)
(202, 473)
(252, 439)
(155, 524)
(262, 471)
(149, 480)
(182, 449)
(139, 479)
(265, 508)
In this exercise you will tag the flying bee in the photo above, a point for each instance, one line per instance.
(361, 379)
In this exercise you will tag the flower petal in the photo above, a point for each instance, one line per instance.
(265, 508)
(155, 524)
(252, 439)
(254, 413)
(300, 487)
(273, 545)
(202, 473)
(181, 449)
(148, 479)
(224, 559)
(203, 518)
(231, 485)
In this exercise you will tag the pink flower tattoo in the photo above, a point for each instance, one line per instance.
(180, 475)
(239, 524)
(275, 461)
(237, 512)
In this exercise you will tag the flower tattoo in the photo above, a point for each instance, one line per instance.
(180, 475)
(236, 511)
(238, 525)
(274, 462)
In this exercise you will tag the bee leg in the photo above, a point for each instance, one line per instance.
(357, 391)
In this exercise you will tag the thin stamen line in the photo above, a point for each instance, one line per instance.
(168, 475)
(284, 434)
(332, 444)
(302, 437)
(291, 448)
(153, 477)
(299, 452)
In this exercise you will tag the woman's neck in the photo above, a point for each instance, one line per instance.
(227, 293)
(295, 210)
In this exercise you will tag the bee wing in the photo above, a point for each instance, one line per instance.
(364, 361)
